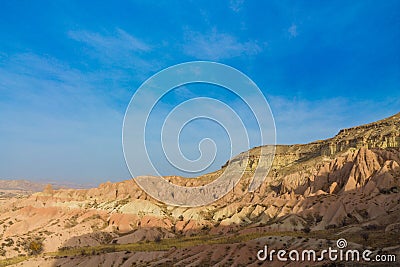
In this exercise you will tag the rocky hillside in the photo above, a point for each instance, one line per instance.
(346, 186)
(381, 134)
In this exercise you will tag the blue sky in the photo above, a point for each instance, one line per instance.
(69, 68)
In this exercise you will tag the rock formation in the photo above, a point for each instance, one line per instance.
(343, 186)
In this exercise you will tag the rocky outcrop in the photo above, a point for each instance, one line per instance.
(381, 134)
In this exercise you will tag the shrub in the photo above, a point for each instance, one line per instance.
(34, 247)
(306, 229)
(9, 242)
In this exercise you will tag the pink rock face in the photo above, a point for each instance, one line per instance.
(365, 164)
(317, 186)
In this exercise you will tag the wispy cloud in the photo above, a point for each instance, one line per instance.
(120, 40)
(118, 49)
(236, 5)
(293, 31)
(217, 46)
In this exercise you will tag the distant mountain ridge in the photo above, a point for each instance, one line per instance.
(31, 186)
(23, 185)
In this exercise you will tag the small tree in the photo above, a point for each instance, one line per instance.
(34, 247)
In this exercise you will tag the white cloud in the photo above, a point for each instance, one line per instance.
(118, 50)
(293, 31)
(216, 46)
(182, 92)
(120, 40)
(236, 5)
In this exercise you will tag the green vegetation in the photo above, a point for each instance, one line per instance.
(34, 246)
(14, 260)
